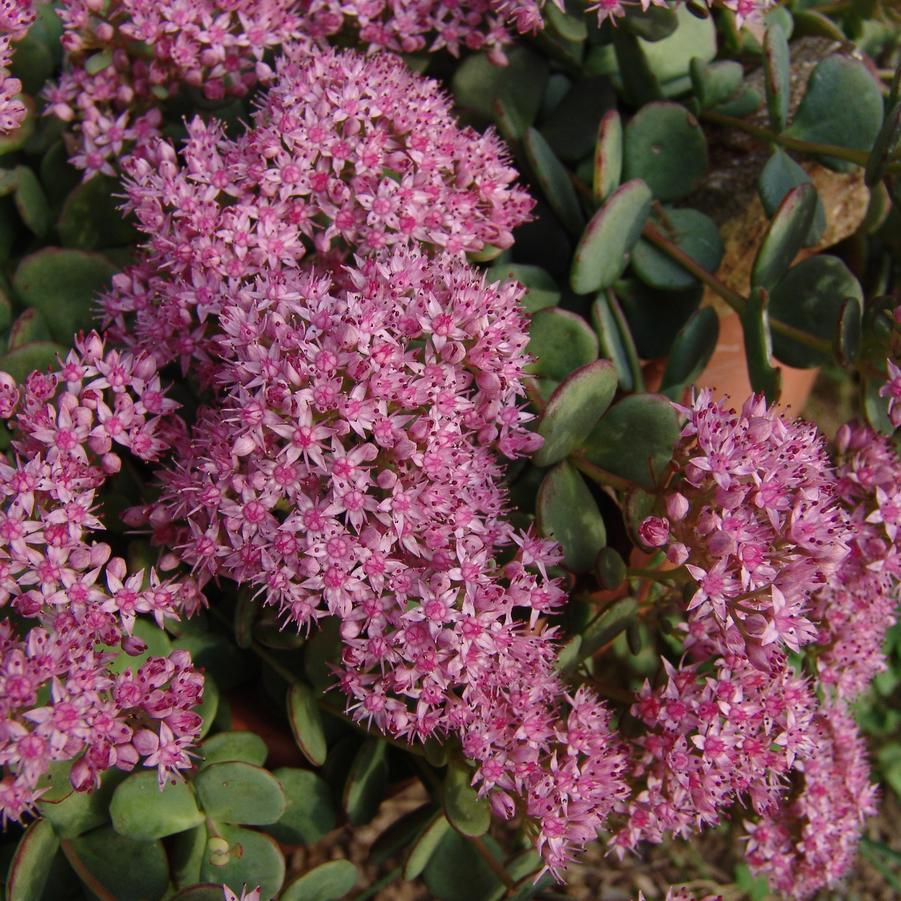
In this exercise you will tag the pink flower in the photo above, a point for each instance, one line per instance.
(654, 531)
(892, 390)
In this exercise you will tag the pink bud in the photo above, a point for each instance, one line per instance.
(654, 531)
(677, 553)
(677, 507)
(132, 645)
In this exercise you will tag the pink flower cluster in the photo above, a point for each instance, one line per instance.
(347, 469)
(712, 740)
(128, 57)
(755, 519)
(75, 605)
(16, 17)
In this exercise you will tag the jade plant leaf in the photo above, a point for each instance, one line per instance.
(779, 176)
(670, 58)
(139, 810)
(715, 83)
(186, 852)
(30, 867)
(615, 339)
(90, 217)
(310, 811)
(745, 102)
(253, 859)
(608, 156)
(764, 377)
(365, 786)
(610, 568)
(465, 810)
(571, 128)
(425, 845)
(246, 746)
(573, 409)
(31, 202)
(883, 147)
(62, 285)
(666, 148)
(810, 298)
(114, 866)
(635, 438)
(559, 342)
(554, 181)
(640, 84)
(72, 812)
(306, 723)
(238, 792)
(205, 891)
(786, 235)
(401, 834)
(776, 76)
(22, 361)
(567, 512)
(655, 316)
(692, 232)
(691, 351)
(614, 620)
(28, 328)
(848, 332)
(327, 882)
(604, 248)
(841, 106)
(653, 24)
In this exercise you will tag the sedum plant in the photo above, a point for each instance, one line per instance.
(364, 431)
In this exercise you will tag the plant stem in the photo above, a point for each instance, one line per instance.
(596, 474)
(764, 134)
(495, 865)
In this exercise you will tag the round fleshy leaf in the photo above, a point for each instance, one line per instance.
(786, 235)
(776, 76)
(610, 569)
(204, 891)
(691, 351)
(225, 746)
(564, 25)
(186, 852)
(365, 786)
(306, 723)
(848, 333)
(425, 845)
(745, 102)
(613, 621)
(22, 361)
(554, 181)
(842, 106)
(715, 83)
(32, 63)
(559, 342)
(887, 140)
(28, 328)
(765, 378)
(465, 810)
(653, 24)
(635, 438)
(31, 202)
(810, 298)
(571, 128)
(608, 156)
(639, 83)
(573, 410)
(62, 285)
(90, 217)
(603, 250)
(692, 232)
(615, 340)
(238, 792)
(310, 811)
(139, 810)
(568, 513)
(401, 834)
(669, 59)
(113, 866)
(457, 872)
(327, 882)
(73, 813)
(254, 859)
(30, 867)
(666, 148)
(779, 176)
(541, 289)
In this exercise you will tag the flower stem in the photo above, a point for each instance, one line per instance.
(764, 134)
(596, 474)
(495, 865)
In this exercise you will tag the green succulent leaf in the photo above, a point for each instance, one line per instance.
(635, 438)
(62, 285)
(30, 867)
(884, 146)
(715, 83)
(841, 106)
(744, 103)
(424, 847)
(465, 810)
(810, 298)
(571, 128)
(573, 409)
(691, 351)
(666, 148)
(613, 621)
(206, 891)
(608, 156)
(401, 834)
(28, 328)
(554, 181)
(114, 866)
(653, 24)
(224, 746)
(849, 332)
(31, 202)
(457, 872)
(187, 850)
(670, 59)
(90, 217)
(568, 513)
(73, 813)
(254, 859)
(239, 792)
(327, 882)
(776, 76)
(779, 176)
(365, 786)
(24, 360)
(764, 377)
(310, 811)
(610, 568)
(306, 723)
(139, 810)
(605, 246)
(559, 343)
(786, 235)
(615, 340)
